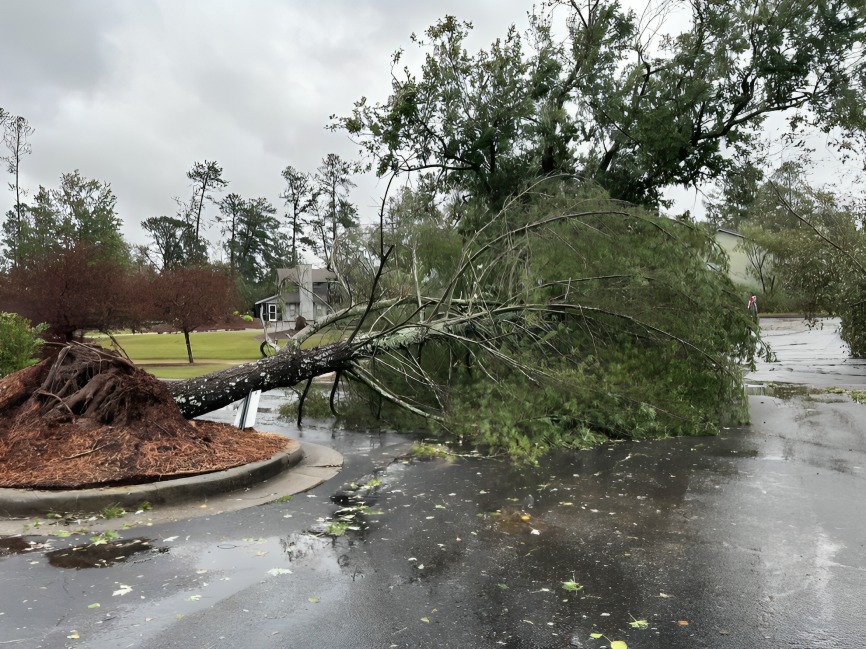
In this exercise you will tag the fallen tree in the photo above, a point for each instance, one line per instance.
(565, 320)
(589, 320)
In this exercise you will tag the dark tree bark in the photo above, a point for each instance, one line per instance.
(207, 393)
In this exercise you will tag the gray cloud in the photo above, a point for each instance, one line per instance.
(52, 47)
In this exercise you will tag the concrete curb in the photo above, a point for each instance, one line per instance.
(32, 502)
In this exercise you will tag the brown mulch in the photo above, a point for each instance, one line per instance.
(88, 417)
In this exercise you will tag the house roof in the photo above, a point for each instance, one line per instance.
(272, 298)
(731, 232)
(291, 275)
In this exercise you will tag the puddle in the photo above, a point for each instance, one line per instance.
(17, 545)
(779, 390)
(300, 546)
(99, 556)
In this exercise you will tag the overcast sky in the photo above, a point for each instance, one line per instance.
(134, 92)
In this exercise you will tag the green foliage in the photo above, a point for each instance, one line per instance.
(571, 586)
(254, 245)
(19, 342)
(113, 511)
(427, 451)
(301, 198)
(79, 211)
(337, 528)
(316, 405)
(853, 329)
(104, 537)
(632, 115)
(172, 241)
(619, 328)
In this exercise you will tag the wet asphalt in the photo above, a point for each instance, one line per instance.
(752, 538)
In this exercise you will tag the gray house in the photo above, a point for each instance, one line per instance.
(746, 261)
(302, 290)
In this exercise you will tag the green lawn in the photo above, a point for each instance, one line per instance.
(164, 355)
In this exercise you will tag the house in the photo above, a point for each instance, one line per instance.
(741, 268)
(302, 290)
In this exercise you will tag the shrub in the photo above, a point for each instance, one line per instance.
(19, 342)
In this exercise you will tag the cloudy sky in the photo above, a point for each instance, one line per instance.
(134, 92)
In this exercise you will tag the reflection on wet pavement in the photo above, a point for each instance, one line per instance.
(101, 555)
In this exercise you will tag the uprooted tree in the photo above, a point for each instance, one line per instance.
(89, 417)
(568, 317)
(520, 320)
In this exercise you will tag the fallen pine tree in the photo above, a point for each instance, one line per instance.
(563, 328)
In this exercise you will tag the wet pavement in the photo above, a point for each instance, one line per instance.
(809, 353)
(752, 538)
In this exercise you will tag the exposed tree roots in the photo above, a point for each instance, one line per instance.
(89, 417)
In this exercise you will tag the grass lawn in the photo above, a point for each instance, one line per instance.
(164, 355)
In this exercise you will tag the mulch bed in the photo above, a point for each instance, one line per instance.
(88, 417)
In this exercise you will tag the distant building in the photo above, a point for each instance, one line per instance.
(302, 290)
(739, 265)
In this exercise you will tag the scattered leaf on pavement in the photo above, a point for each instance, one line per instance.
(279, 571)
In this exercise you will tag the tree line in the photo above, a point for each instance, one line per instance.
(65, 262)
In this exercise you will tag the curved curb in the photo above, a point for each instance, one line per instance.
(30, 502)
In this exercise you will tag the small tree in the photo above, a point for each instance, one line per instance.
(16, 135)
(73, 290)
(189, 298)
(300, 196)
(335, 214)
(168, 235)
(19, 342)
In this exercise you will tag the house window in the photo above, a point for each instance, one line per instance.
(272, 312)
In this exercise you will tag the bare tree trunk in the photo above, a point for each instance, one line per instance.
(206, 393)
(188, 346)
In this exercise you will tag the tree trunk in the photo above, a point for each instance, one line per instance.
(204, 394)
(188, 346)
